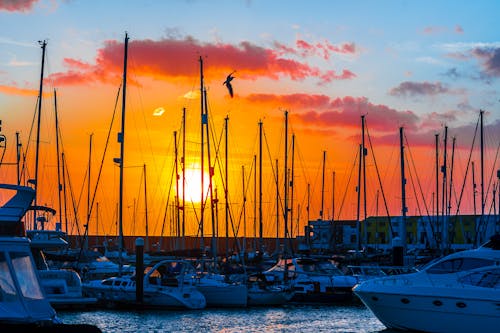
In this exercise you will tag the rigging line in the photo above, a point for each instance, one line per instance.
(75, 206)
(465, 179)
(281, 205)
(303, 168)
(348, 183)
(162, 233)
(26, 151)
(412, 160)
(378, 177)
(490, 181)
(104, 153)
(410, 173)
(467, 169)
(249, 178)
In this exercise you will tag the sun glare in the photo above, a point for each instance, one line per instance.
(193, 185)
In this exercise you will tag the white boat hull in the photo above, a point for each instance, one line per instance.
(162, 297)
(455, 311)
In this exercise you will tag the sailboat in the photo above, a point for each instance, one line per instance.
(216, 287)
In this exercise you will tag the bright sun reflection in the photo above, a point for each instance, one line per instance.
(193, 185)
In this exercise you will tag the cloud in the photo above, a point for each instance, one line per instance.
(321, 111)
(435, 30)
(177, 59)
(17, 5)
(323, 49)
(13, 90)
(452, 73)
(409, 88)
(490, 58)
(459, 29)
(435, 119)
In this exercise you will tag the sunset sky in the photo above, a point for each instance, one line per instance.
(420, 65)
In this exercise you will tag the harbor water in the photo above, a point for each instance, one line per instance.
(289, 318)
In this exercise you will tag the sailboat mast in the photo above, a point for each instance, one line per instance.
(183, 161)
(121, 140)
(323, 186)
(291, 185)
(146, 209)
(403, 189)
(226, 120)
(358, 223)
(363, 156)
(37, 156)
(255, 203)
(333, 196)
(202, 166)
(260, 187)
(437, 186)
(285, 205)
(481, 113)
(451, 174)
(63, 160)
(244, 209)
(210, 183)
(444, 192)
(474, 185)
(277, 209)
(177, 217)
(59, 186)
(18, 158)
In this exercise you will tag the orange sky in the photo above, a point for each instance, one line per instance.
(326, 85)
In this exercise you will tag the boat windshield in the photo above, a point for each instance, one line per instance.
(488, 278)
(26, 275)
(458, 265)
(320, 267)
(7, 286)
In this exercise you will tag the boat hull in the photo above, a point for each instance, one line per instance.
(224, 296)
(268, 297)
(434, 313)
(162, 297)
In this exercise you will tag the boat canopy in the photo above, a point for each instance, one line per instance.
(14, 209)
(21, 297)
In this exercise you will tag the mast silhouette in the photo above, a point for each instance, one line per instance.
(37, 156)
(226, 120)
(203, 120)
(59, 186)
(121, 140)
(404, 209)
(260, 187)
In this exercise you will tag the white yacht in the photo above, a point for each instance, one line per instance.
(314, 280)
(457, 293)
(164, 286)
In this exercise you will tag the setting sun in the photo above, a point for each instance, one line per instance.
(193, 184)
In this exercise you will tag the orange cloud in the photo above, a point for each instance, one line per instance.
(176, 59)
(11, 90)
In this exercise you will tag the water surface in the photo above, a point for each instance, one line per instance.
(290, 318)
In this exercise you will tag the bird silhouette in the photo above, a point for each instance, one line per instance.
(227, 83)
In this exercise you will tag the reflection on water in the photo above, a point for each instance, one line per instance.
(300, 318)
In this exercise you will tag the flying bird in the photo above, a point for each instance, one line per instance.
(227, 83)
